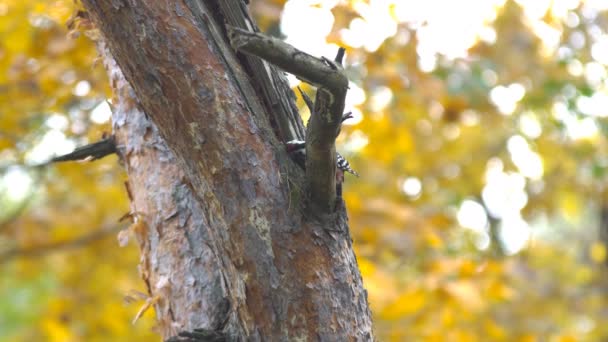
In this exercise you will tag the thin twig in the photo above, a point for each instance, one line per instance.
(94, 151)
(34, 251)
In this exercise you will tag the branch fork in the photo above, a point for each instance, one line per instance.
(326, 117)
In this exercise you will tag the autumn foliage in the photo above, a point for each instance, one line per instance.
(479, 133)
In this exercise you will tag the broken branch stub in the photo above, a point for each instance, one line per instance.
(324, 124)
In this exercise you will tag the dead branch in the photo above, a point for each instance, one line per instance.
(324, 125)
(94, 151)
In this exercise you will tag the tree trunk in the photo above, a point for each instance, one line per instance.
(228, 238)
(603, 227)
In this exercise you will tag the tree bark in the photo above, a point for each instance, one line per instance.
(228, 242)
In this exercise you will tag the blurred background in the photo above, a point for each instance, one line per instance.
(479, 131)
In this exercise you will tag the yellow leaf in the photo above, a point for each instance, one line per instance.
(433, 239)
(408, 303)
(527, 338)
(366, 267)
(447, 317)
(55, 331)
(597, 252)
(381, 288)
(369, 235)
(570, 204)
(499, 290)
(566, 338)
(462, 336)
(468, 268)
(495, 331)
(493, 267)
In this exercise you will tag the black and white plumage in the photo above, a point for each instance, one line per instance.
(344, 165)
(297, 149)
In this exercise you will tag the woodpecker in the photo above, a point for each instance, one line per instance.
(297, 150)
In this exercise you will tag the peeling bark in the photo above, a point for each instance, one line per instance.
(227, 245)
(179, 260)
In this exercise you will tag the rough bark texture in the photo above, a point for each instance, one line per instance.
(178, 260)
(326, 118)
(227, 244)
(271, 85)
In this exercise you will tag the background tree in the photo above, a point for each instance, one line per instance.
(476, 124)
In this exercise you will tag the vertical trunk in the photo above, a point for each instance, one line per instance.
(603, 229)
(227, 244)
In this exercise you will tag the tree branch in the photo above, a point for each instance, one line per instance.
(324, 124)
(94, 151)
(33, 251)
(319, 72)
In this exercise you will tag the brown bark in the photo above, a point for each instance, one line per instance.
(228, 244)
(326, 119)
